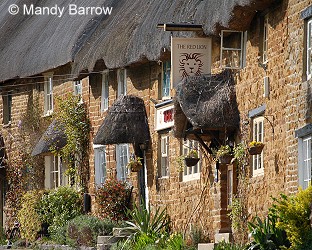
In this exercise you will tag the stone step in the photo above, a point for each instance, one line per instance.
(109, 239)
(206, 246)
(122, 231)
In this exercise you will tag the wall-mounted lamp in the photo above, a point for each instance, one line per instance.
(180, 27)
(143, 146)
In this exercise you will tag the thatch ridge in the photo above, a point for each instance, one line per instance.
(54, 137)
(126, 36)
(209, 101)
(126, 122)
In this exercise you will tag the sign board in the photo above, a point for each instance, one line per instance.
(164, 117)
(189, 57)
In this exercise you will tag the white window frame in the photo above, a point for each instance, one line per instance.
(105, 91)
(309, 49)
(164, 155)
(78, 90)
(265, 40)
(54, 167)
(48, 94)
(122, 82)
(230, 185)
(257, 135)
(241, 50)
(192, 173)
(165, 81)
(7, 108)
(122, 159)
(100, 164)
(305, 158)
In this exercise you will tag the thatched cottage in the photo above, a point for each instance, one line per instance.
(256, 88)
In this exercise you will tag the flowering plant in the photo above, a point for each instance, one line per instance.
(255, 144)
(223, 150)
(192, 154)
(113, 199)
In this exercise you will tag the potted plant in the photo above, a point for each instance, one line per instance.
(255, 147)
(224, 154)
(135, 164)
(191, 158)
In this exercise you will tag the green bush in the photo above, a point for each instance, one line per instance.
(149, 230)
(266, 235)
(30, 222)
(84, 229)
(57, 207)
(227, 246)
(113, 199)
(3, 238)
(293, 213)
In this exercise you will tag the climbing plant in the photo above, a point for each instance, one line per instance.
(23, 172)
(73, 117)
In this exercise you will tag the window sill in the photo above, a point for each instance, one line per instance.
(48, 114)
(7, 125)
(188, 178)
(163, 177)
(258, 174)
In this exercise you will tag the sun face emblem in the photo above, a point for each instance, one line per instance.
(190, 64)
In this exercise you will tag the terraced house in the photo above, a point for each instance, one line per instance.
(250, 82)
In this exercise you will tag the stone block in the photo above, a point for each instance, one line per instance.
(206, 246)
(223, 237)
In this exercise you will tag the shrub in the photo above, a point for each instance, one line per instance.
(149, 230)
(293, 216)
(112, 200)
(2, 236)
(30, 222)
(227, 246)
(266, 235)
(58, 207)
(84, 229)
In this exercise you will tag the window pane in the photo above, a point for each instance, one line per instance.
(166, 79)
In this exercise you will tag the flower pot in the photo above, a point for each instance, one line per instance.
(189, 162)
(225, 159)
(135, 166)
(255, 150)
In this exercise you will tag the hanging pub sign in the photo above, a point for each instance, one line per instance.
(164, 116)
(190, 57)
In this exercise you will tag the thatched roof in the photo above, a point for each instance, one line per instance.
(30, 45)
(208, 102)
(54, 137)
(126, 122)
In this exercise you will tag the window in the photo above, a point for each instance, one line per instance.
(309, 49)
(7, 108)
(165, 83)
(105, 92)
(54, 172)
(122, 82)
(78, 89)
(305, 156)
(257, 135)
(122, 159)
(233, 49)
(100, 164)
(164, 155)
(48, 95)
(193, 172)
(265, 40)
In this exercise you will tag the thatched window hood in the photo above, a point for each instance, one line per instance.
(126, 122)
(208, 102)
(54, 137)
